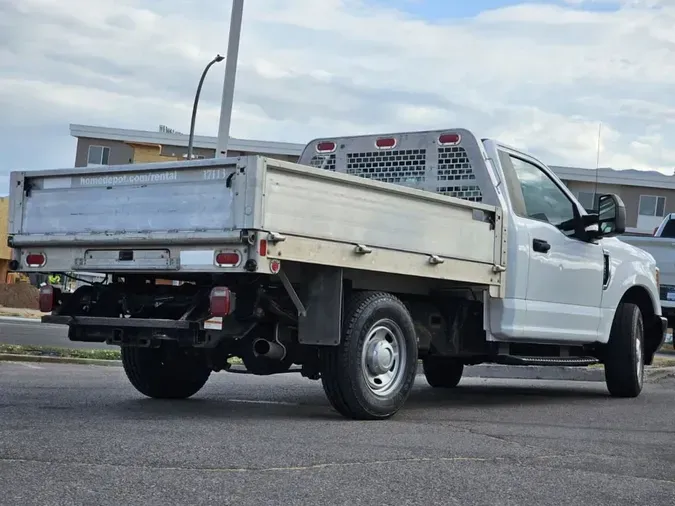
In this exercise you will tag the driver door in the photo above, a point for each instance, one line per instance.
(565, 275)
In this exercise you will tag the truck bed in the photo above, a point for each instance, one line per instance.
(81, 218)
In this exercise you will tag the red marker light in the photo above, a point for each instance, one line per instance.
(326, 147)
(385, 143)
(227, 259)
(36, 259)
(449, 139)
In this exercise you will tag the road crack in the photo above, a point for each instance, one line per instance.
(535, 461)
(308, 467)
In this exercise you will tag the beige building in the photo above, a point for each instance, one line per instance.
(648, 196)
(116, 146)
(5, 251)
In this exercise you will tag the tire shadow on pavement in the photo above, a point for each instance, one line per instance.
(309, 406)
(216, 408)
(488, 395)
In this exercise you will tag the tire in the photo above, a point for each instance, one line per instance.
(443, 372)
(624, 357)
(374, 324)
(165, 372)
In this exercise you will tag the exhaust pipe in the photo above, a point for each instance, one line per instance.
(268, 349)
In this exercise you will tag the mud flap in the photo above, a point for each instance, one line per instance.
(322, 323)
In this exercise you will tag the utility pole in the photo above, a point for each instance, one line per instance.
(230, 75)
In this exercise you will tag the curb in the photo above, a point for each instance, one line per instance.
(20, 319)
(11, 357)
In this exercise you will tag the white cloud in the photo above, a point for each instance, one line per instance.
(538, 76)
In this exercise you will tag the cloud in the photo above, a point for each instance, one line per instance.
(538, 76)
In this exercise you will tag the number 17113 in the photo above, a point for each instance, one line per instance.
(211, 174)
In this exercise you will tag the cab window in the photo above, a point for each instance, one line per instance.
(542, 198)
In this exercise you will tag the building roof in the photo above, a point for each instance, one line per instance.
(627, 177)
(649, 179)
(176, 139)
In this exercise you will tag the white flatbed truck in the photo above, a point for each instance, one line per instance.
(370, 254)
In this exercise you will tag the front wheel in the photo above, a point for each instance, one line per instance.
(624, 357)
(167, 372)
(369, 375)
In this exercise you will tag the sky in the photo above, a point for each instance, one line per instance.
(539, 75)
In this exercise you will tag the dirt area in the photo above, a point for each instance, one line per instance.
(19, 296)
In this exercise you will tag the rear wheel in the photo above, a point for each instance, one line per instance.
(369, 375)
(442, 372)
(624, 357)
(167, 372)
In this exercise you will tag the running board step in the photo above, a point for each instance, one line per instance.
(546, 361)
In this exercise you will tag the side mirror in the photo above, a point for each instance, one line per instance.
(611, 215)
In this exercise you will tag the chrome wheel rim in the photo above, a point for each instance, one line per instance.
(639, 358)
(383, 358)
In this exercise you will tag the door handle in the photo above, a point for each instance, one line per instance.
(540, 245)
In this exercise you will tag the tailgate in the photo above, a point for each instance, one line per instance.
(175, 197)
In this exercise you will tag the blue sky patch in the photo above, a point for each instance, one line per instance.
(437, 10)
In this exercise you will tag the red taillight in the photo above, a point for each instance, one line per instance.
(47, 298)
(449, 139)
(36, 259)
(325, 147)
(220, 301)
(385, 143)
(262, 248)
(227, 259)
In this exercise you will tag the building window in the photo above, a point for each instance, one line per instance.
(98, 155)
(651, 205)
(589, 200)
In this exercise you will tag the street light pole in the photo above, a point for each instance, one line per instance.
(217, 59)
(230, 74)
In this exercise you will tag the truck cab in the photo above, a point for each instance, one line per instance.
(566, 283)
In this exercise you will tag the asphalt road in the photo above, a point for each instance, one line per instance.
(82, 435)
(36, 333)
